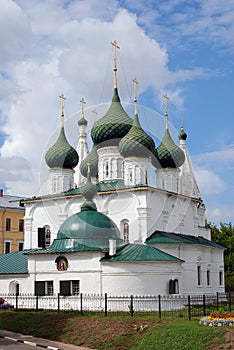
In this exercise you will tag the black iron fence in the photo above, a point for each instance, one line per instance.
(186, 306)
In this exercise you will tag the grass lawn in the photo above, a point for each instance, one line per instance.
(119, 333)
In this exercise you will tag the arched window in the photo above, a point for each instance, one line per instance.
(47, 236)
(14, 288)
(106, 168)
(125, 230)
(174, 286)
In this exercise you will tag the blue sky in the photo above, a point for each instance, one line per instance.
(184, 48)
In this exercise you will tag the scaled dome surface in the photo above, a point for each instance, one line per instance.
(168, 154)
(113, 125)
(136, 143)
(61, 154)
(90, 228)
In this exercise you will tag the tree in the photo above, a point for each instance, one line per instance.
(225, 237)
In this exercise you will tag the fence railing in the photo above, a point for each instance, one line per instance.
(187, 306)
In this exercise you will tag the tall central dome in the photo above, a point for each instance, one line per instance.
(115, 123)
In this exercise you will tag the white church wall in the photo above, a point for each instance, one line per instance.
(139, 278)
(208, 258)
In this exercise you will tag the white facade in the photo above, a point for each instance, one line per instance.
(140, 210)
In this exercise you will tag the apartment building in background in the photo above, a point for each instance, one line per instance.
(11, 223)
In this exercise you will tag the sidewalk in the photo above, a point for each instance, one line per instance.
(39, 342)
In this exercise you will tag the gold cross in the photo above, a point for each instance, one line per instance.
(62, 115)
(166, 98)
(114, 43)
(83, 103)
(135, 83)
(94, 115)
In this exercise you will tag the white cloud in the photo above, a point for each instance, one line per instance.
(219, 158)
(67, 49)
(209, 183)
(221, 213)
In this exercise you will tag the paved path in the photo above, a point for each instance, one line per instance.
(38, 342)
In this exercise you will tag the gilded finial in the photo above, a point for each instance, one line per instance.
(62, 114)
(88, 170)
(94, 115)
(114, 43)
(82, 101)
(166, 98)
(135, 83)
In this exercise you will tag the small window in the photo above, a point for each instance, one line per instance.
(20, 246)
(44, 288)
(21, 225)
(208, 277)
(174, 286)
(7, 247)
(198, 275)
(126, 232)
(8, 224)
(47, 236)
(69, 287)
(220, 278)
(106, 169)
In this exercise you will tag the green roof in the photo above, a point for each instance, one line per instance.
(140, 252)
(61, 154)
(168, 154)
(113, 125)
(170, 237)
(66, 245)
(12, 263)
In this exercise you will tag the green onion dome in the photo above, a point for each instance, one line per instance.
(88, 190)
(89, 227)
(168, 154)
(92, 159)
(136, 143)
(182, 134)
(82, 121)
(61, 154)
(113, 125)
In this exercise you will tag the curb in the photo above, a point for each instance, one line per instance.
(30, 343)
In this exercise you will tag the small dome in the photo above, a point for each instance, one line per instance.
(61, 154)
(92, 159)
(168, 154)
(182, 134)
(88, 190)
(113, 125)
(136, 143)
(82, 121)
(89, 227)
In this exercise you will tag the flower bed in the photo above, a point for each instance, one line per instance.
(218, 318)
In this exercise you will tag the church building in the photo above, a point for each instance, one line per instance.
(105, 227)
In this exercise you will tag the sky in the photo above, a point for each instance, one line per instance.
(183, 48)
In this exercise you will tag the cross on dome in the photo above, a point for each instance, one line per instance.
(82, 101)
(94, 115)
(166, 98)
(114, 43)
(62, 114)
(135, 83)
